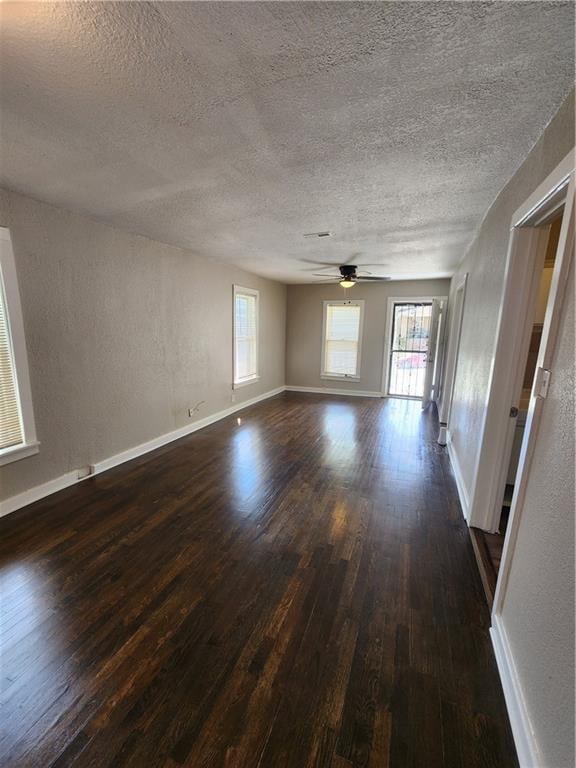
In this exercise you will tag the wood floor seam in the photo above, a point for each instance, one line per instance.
(295, 588)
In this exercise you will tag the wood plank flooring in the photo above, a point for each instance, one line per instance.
(292, 586)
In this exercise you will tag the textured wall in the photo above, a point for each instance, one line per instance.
(538, 611)
(304, 329)
(485, 262)
(123, 334)
(538, 607)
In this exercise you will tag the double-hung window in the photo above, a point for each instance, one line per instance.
(245, 336)
(17, 430)
(342, 336)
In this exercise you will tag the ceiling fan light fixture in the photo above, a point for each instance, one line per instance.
(347, 283)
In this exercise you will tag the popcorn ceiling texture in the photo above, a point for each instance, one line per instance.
(233, 128)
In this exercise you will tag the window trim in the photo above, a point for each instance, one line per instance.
(337, 376)
(9, 282)
(239, 290)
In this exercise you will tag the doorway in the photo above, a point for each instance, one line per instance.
(550, 206)
(414, 347)
(490, 545)
(408, 349)
(526, 254)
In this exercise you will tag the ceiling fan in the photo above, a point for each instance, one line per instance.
(349, 276)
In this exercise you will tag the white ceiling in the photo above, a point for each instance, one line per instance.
(234, 128)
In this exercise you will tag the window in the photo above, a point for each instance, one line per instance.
(341, 339)
(17, 430)
(245, 336)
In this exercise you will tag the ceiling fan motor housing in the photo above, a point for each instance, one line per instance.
(348, 270)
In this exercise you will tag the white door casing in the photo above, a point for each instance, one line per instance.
(433, 350)
(524, 262)
(544, 372)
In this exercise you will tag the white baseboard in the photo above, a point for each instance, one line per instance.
(38, 492)
(529, 755)
(460, 486)
(169, 437)
(332, 391)
(58, 483)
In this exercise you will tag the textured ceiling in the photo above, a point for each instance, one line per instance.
(234, 128)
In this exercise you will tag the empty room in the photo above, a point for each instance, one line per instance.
(287, 383)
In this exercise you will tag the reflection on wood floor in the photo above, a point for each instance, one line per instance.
(292, 586)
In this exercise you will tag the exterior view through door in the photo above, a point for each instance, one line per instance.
(411, 325)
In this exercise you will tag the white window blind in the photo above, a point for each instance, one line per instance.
(342, 324)
(11, 432)
(245, 335)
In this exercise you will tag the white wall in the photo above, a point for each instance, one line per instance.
(538, 612)
(124, 334)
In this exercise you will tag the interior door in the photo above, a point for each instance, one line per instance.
(433, 349)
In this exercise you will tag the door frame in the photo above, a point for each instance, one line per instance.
(522, 274)
(388, 336)
(564, 257)
(454, 332)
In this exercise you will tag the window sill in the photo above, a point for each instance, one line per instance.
(335, 377)
(17, 452)
(245, 382)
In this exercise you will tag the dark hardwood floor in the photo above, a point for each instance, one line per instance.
(292, 586)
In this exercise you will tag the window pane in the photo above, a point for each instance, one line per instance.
(341, 357)
(343, 322)
(10, 422)
(342, 337)
(411, 327)
(245, 336)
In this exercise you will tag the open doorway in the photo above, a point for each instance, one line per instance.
(413, 355)
(491, 544)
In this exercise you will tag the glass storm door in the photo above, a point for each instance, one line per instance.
(432, 376)
(411, 328)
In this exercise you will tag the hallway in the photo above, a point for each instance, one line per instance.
(291, 586)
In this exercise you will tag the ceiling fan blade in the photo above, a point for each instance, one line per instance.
(321, 263)
(327, 277)
(366, 279)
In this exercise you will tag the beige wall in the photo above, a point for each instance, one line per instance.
(304, 329)
(538, 611)
(485, 262)
(124, 334)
